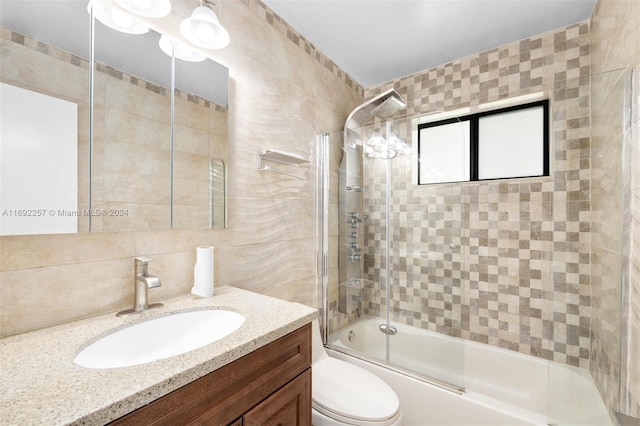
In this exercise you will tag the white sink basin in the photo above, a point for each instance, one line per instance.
(159, 338)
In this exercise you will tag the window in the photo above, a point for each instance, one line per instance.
(506, 143)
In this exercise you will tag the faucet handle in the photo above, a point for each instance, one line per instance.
(142, 260)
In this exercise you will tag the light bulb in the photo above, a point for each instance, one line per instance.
(389, 154)
(383, 146)
(399, 146)
(203, 29)
(394, 138)
(180, 50)
(123, 19)
(115, 19)
(148, 8)
(183, 50)
(142, 4)
(204, 32)
(376, 138)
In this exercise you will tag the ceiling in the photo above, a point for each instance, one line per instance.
(375, 41)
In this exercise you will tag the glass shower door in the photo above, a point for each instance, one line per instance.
(424, 264)
(586, 378)
(397, 293)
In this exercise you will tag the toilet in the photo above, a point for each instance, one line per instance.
(344, 394)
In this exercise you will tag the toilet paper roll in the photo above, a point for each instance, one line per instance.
(203, 272)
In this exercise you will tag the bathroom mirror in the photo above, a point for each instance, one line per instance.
(45, 66)
(137, 148)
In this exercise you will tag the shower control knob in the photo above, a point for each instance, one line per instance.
(354, 235)
(354, 222)
(355, 257)
(354, 215)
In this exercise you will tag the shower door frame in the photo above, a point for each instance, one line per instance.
(323, 208)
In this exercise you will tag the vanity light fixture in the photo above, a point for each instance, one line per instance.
(379, 147)
(115, 18)
(183, 51)
(148, 8)
(203, 28)
(376, 139)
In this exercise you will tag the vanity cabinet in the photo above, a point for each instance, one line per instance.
(269, 386)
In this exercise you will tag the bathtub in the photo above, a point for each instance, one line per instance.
(501, 387)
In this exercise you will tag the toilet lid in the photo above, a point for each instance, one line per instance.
(352, 392)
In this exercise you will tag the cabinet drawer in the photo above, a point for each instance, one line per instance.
(225, 394)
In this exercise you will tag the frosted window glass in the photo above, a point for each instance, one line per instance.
(511, 144)
(38, 163)
(444, 153)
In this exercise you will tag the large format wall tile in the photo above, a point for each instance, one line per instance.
(283, 92)
(615, 44)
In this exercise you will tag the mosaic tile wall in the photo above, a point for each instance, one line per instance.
(500, 262)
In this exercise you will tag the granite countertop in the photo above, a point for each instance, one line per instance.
(40, 384)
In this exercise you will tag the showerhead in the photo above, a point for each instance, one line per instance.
(392, 104)
(382, 106)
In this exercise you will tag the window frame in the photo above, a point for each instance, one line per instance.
(474, 142)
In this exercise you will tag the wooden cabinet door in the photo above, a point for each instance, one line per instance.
(289, 406)
(228, 392)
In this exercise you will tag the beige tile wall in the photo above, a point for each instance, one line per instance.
(615, 44)
(283, 91)
(132, 147)
(608, 236)
(200, 135)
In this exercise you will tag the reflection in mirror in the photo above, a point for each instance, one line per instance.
(44, 46)
(38, 163)
(45, 49)
(155, 162)
(217, 185)
(131, 182)
(200, 144)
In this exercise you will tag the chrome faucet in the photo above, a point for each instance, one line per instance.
(142, 282)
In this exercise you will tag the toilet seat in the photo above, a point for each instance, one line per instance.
(352, 395)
